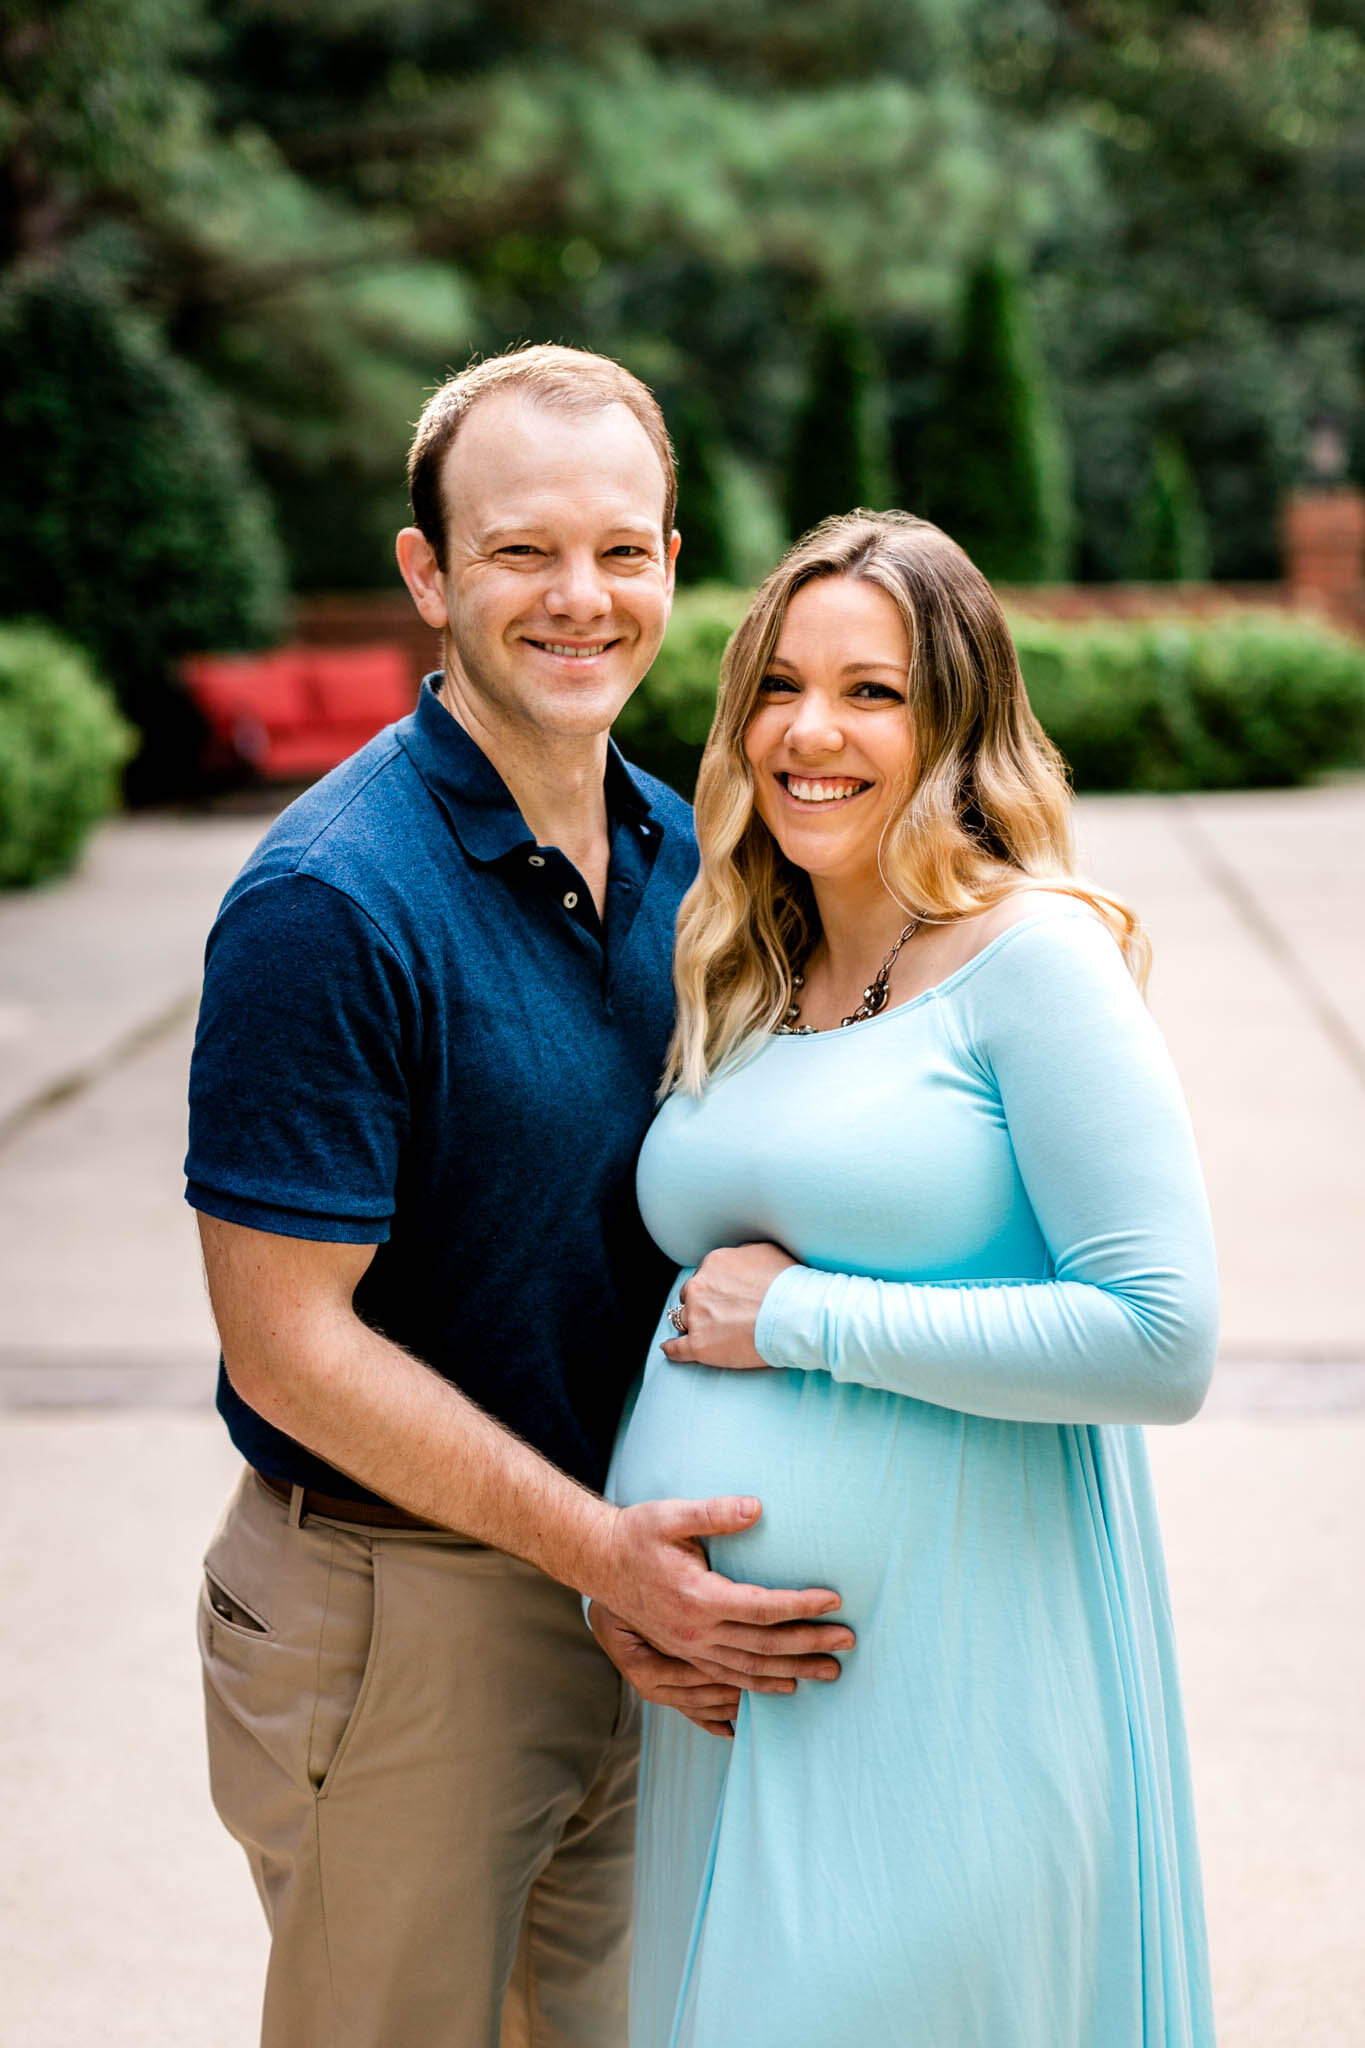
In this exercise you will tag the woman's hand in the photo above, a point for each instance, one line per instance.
(720, 1305)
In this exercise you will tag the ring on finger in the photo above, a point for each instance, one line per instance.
(678, 1319)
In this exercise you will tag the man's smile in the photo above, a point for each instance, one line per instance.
(572, 650)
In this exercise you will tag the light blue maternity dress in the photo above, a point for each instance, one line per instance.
(982, 1835)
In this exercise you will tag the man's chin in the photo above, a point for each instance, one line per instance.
(580, 716)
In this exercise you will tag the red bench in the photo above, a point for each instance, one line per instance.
(296, 711)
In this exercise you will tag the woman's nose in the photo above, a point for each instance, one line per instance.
(814, 728)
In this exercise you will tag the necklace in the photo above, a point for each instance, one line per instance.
(874, 995)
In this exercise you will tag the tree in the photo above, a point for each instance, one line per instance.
(701, 519)
(130, 522)
(995, 469)
(1170, 537)
(837, 456)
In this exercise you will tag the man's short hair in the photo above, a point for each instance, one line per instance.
(566, 379)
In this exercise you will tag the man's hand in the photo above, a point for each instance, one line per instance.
(657, 1582)
(720, 1305)
(667, 1681)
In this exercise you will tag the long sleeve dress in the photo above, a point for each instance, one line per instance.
(980, 1836)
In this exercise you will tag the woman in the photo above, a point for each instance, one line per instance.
(928, 1168)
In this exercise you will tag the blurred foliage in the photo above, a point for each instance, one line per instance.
(62, 743)
(1256, 700)
(129, 521)
(703, 514)
(838, 455)
(664, 725)
(996, 472)
(325, 204)
(1252, 700)
(1170, 534)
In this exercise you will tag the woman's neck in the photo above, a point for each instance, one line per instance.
(856, 923)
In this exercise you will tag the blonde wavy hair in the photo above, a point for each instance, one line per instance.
(986, 809)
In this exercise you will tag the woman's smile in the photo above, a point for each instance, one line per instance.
(810, 789)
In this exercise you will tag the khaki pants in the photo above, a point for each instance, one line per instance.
(431, 1767)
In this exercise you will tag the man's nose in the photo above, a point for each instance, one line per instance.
(578, 589)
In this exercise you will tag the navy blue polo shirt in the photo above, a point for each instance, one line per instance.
(416, 1034)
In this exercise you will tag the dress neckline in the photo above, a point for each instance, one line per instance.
(840, 1032)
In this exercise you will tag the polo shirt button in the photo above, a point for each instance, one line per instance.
(571, 900)
(535, 860)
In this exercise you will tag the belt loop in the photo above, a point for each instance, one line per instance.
(295, 1506)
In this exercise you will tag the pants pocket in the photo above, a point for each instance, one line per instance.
(287, 1637)
(347, 1656)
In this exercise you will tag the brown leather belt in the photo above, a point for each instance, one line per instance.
(370, 1514)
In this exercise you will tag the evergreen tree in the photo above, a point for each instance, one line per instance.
(1170, 535)
(837, 456)
(131, 522)
(996, 475)
(701, 518)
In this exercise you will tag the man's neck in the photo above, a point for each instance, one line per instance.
(557, 783)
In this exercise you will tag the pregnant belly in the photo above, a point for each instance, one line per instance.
(874, 1494)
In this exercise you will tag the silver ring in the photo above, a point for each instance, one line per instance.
(675, 1316)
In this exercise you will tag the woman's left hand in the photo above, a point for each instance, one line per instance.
(720, 1305)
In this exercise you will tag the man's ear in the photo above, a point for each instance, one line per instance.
(671, 558)
(421, 572)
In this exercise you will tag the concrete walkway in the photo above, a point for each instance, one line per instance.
(126, 1917)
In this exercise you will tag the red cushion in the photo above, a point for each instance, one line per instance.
(270, 689)
(361, 686)
(298, 711)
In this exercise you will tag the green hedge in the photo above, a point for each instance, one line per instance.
(1249, 701)
(62, 743)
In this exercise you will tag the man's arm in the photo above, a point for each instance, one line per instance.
(297, 1352)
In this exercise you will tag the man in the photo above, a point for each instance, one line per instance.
(436, 1005)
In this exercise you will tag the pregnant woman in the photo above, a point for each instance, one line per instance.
(926, 1168)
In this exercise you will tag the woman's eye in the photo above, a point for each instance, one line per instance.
(773, 686)
(878, 693)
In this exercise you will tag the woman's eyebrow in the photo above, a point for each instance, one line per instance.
(897, 668)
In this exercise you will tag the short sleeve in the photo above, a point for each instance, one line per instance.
(299, 1085)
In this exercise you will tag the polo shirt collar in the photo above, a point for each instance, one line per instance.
(480, 806)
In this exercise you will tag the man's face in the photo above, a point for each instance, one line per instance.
(558, 582)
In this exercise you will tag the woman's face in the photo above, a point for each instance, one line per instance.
(829, 740)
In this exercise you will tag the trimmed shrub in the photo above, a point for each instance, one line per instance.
(130, 521)
(995, 467)
(1170, 536)
(1255, 700)
(838, 456)
(62, 743)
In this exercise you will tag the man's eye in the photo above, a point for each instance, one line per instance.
(518, 547)
(628, 550)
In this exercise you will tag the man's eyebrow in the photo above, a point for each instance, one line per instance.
(522, 529)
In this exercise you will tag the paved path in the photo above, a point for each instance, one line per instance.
(126, 1917)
